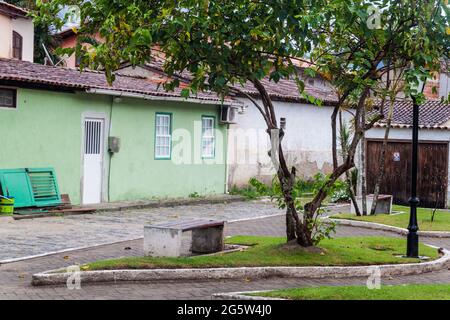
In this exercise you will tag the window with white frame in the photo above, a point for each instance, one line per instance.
(163, 136)
(208, 137)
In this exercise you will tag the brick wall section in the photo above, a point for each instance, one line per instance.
(431, 90)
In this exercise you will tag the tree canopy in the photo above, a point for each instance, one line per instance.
(365, 39)
(231, 41)
(221, 44)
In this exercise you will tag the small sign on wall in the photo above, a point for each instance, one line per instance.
(396, 156)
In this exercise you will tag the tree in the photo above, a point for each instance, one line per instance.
(363, 164)
(394, 87)
(345, 136)
(224, 44)
(363, 44)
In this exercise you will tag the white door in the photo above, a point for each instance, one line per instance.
(93, 161)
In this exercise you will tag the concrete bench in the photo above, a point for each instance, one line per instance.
(384, 204)
(182, 238)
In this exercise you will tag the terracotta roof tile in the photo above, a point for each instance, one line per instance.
(285, 89)
(12, 10)
(13, 70)
(432, 115)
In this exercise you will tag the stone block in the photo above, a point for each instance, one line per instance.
(177, 239)
(207, 240)
(163, 242)
(384, 204)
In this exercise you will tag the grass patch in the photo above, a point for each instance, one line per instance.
(271, 251)
(303, 190)
(196, 195)
(397, 292)
(441, 219)
(6, 215)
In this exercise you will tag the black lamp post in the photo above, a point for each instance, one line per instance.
(413, 238)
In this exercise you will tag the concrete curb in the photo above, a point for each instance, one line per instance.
(49, 215)
(384, 227)
(257, 218)
(41, 255)
(242, 296)
(52, 278)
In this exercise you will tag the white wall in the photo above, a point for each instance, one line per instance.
(137, 72)
(22, 26)
(5, 37)
(406, 134)
(25, 28)
(307, 142)
(444, 85)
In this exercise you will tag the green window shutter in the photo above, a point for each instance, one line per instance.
(44, 186)
(30, 187)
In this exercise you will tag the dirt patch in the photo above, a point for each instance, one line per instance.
(294, 246)
(380, 248)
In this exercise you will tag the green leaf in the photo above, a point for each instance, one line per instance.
(185, 93)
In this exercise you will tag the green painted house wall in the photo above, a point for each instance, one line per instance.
(46, 131)
(147, 176)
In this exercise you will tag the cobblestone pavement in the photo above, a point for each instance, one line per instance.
(15, 277)
(22, 238)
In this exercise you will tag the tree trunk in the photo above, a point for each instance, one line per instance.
(287, 188)
(334, 136)
(363, 166)
(380, 175)
(295, 228)
(290, 224)
(344, 146)
(304, 237)
(312, 207)
(352, 193)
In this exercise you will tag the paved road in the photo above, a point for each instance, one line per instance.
(32, 237)
(22, 238)
(15, 277)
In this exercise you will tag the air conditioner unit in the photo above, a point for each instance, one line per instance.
(228, 114)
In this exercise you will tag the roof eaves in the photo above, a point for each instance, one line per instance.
(274, 96)
(163, 96)
(289, 98)
(13, 11)
(65, 33)
(409, 126)
(119, 92)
